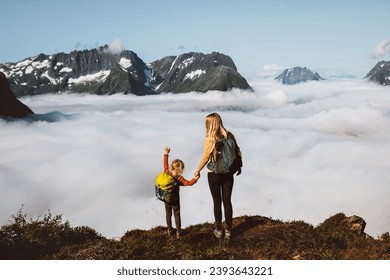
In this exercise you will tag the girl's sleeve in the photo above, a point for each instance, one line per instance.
(186, 182)
(166, 166)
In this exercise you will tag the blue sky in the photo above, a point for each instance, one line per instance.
(322, 35)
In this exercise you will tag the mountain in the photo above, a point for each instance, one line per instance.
(10, 106)
(380, 73)
(99, 71)
(339, 237)
(196, 72)
(95, 71)
(297, 75)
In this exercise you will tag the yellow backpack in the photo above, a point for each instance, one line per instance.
(164, 186)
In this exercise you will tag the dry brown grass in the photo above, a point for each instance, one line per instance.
(254, 237)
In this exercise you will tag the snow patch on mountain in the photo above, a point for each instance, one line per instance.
(188, 61)
(66, 70)
(194, 74)
(125, 63)
(99, 76)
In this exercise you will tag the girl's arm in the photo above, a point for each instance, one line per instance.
(185, 182)
(166, 165)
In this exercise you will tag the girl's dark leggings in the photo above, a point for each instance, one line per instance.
(175, 208)
(221, 187)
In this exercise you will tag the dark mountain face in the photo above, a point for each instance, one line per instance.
(98, 71)
(380, 73)
(297, 75)
(196, 72)
(10, 107)
(78, 71)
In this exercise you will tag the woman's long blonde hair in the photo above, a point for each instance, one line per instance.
(214, 127)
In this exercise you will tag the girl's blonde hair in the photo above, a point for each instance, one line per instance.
(214, 127)
(177, 167)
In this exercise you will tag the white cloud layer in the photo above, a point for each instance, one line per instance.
(380, 50)
(310, 151)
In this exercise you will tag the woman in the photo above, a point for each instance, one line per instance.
(221, 185)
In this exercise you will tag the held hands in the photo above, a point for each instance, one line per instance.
(196, 176)
(167, 150)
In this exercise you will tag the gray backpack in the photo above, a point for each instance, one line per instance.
(228, 158)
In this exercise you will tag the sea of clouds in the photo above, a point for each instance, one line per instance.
(310, 151)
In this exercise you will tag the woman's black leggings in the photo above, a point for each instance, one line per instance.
(221, 187)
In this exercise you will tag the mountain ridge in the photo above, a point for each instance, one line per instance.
(99, 71)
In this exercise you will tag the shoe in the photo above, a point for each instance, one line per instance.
(217, 233)
(170, 232)
(179, 233)
(228, 234)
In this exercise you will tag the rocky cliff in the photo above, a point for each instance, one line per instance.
(380, 73)
(297, 75)
(99, 71)
(10, 106)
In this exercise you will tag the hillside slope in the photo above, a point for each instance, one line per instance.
(254, 237)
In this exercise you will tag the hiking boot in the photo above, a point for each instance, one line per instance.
(217, 233)
(170, 232)
(228, 234)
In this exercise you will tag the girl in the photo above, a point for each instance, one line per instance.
(175, 169)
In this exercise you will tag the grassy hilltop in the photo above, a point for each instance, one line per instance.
(254, 237)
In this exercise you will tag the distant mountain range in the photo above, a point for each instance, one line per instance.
(380, 74)
(99, 71)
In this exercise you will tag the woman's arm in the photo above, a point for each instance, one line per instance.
(208, 149)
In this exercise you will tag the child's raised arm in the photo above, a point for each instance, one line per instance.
(166, 165)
